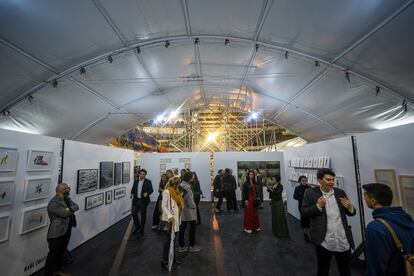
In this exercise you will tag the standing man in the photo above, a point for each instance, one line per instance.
(61, 211)
(229, 187)
(140, 192)
(382, 255)
(259, 187)
(218, 189)
(327, 208)
(298, 195)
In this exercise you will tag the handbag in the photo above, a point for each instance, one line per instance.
(257, 202)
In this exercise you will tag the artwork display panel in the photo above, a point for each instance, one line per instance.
(6, 192)
(119, 193)
(38, 188)
(8, 159)
(38, 160)
(267, 169)
(126, 172)
(94, 201)
(389, 178)
(33, 218)
(407, 192)
(106, 177)
(118, 173)
(87, 180)
(4, 228)
(108, 197)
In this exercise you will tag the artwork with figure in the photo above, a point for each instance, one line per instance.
(8, 159)
(6, 192)
(37, 188)
(126, 172)
(4, 228)
(267, 169)
(39, 160)
(108, 197)
(106, 178)
(118, 173)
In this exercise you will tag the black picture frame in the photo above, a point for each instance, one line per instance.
(94, 201)
(87, 180)
(118, 173)
(119, 193)
(106, 176)
(108, 197)
(126, 172)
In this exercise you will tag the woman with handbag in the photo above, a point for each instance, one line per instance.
(172, 206)
(279, 223)
(251, 217)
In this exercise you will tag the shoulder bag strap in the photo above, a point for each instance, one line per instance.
(392, 232)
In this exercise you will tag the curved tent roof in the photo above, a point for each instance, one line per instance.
(90, 70)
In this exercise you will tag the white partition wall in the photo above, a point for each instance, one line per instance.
(155, 163)
(93, 221)
(24, 254)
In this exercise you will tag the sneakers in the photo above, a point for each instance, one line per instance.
(258, 229)
(218, 210)
(195, 248)
(154, 227)
(248, 231)
(182, 249)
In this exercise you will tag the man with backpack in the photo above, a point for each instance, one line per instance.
(390, 236)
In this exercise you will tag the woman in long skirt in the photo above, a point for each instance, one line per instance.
(251, 217)
(279, 223)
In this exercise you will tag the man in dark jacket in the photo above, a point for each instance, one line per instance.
(218, 189)
(140, 192)
(382, 255)
(298, 195)
(229, 187)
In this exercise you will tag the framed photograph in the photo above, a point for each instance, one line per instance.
(320, 162)
(163, 168)
(8, 159)
(38, 188)
(4, 228)
(119, 193)
(118, 173)
(6, 192)
(407, 192)
(326, 162)
(108, 197)
(389, 178)
(38, 160)
(187, 166)
(33, 218)
(94, 201)
(184, 160)
(87, 180)
(315, 162)
(106, 177)
(339, 181)
(126, 172)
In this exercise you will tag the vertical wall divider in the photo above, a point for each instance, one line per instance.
(62, 157)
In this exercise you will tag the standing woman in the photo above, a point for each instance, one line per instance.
(279, 223)
(195, 185)
(156, 214)
(251, 217)
(172, 206)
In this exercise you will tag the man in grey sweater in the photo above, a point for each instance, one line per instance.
(61, 211)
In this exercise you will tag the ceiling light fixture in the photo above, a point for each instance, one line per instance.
(138, 50)
(226, 41)
(377, 90)
(55, 83)
(257, 46)
(30, 98)
(82, 71)
(286, 55)
(110, 59)
(197, 41)
(317, 63)
(167, 44)
(347, 76)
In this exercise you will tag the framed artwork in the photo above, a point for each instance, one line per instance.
(165, 160)
(326, 162)
(108, 197)
(315, 162)
(339, 181)
(388, 177)
(407, 192)
(163, 168)
(184, 160)
(38, 160)
(119, 193)
(126, 172)
(4, 228)
(38, 188)
(87, 180)
(8, 159)
(6, 192)
(94, 201)
(187, 166)
(33, 218)
(117, 173)
(106, 177)
(320, 162)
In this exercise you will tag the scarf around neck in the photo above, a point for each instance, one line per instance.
(176, 196)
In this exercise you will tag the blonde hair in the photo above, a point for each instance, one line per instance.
(173, 181)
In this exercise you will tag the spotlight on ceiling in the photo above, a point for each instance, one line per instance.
(160, 118)
(254, 115)
(138, 50)
(82, 71)
(110, 59)
(197, 40)
(286, 55)
(317, 63)
(173, 115)
(226, 41)
(257, 46)
(212, 137)
(377, 90)
(167, 44)
(30, 98)
(348, 78)
(55, 83)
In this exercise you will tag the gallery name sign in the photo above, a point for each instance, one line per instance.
(34, 264)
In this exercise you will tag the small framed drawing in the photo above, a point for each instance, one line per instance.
(35, 189)
(315, 162)
(187, 166)
(126, 172)
(119, 193)
(163, 167)
(326, 162)
(33, 218)
(320, 162)
(339, 181)
(8, 159)
(106, 177)
(388, 177)
(4, 228)
(87, 180)
(118, 173)
(407, 192)
(38, 160)
(94, 201)
(6, 192)
(108, 197)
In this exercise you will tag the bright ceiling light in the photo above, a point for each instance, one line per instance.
(159, 119)
(254, 115)
(173, 114)
(212, 137)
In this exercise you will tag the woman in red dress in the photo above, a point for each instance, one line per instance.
(251, 217)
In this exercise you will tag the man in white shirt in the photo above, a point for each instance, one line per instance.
(327, 208)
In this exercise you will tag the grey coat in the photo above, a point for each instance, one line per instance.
(59, 217)
(190, 211)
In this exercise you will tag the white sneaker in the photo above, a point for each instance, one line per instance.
(248, 231)
(258, 229)
(182, 249)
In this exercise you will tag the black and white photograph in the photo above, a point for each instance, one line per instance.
(33, 218)
(37, 188)
(108, 197)
(118, 173)
(4, 227)
(126, 172)
(106, 177)
(8, 159)
(87, 180)
(119, 193)
(38, 160)
(6, 192)
(94, 201)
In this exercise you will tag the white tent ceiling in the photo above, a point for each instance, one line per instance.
(291, 56)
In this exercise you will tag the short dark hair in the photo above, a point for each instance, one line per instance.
(257, 170)
(227, 170)
(277, 177)
(322, 172)
(220, 170)
(380, 192)
(143, 170)
(187, 176)
(301, 177)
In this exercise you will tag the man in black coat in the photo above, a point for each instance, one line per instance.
(140, 192)
(218, 189)
(327, 208)
(298, 195)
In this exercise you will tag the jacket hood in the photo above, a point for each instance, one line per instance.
(395, 215)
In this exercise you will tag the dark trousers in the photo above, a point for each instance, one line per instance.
(231, 200)
(219, 200)
(183, 226)
(324, 257)
(138, 205)
(57, 247)
(156, 215)
(260, 192)
(166, 248)
(304, 222)
(197, 201)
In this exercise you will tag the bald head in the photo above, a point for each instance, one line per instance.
(62, 189)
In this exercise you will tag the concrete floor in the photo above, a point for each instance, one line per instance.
(227, 250)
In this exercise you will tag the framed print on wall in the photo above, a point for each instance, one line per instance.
(87, 180)
(126, 172)
(106, 177)
(4, 228)
(119, 193)
(33, 218)
(389, 178)
(35, 189)
(407, 192)
(6, 192)
(118, 173)
(108, 197)
(94, 201)
(38, 160)
(8, 159)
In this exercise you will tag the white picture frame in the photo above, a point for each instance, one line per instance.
(37, 188)
(4, 228)
(108, 197)
(320, 162)
(315, 162)
(326, 162)
(39, 160)
(6, 192)
(33, 218)
(119, 193)
(8, 159)
(407, 192)
(94, 201)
